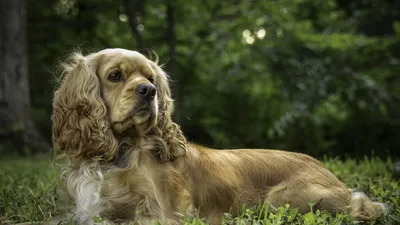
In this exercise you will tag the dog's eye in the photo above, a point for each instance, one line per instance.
(151, 80)
(115, 76)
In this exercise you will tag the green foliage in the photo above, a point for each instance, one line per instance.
(29, 187)
(313, 76)
(286, 215)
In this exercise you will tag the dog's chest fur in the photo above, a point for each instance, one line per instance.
(133, 192)
(144, 189)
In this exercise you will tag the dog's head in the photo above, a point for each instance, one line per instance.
(110, 95)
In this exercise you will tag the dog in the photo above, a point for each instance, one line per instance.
(128, 161)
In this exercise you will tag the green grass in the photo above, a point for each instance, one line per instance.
(28, 190)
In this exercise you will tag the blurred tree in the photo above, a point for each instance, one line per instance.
(17, 128)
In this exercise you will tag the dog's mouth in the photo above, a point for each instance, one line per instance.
(138, 118)
(142, 111)
(145, 111)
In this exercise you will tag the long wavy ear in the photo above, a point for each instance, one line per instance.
(169, 131)
(81, 128)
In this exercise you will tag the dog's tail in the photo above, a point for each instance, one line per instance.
(362, 208)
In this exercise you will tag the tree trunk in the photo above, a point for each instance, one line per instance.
(132, 8)
(17, 129)
(171, 66)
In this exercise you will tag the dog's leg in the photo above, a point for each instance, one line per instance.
(300, 193)
(362, 208)
(155, 221)
(84, 185)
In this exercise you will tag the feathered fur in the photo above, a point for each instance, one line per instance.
(128, 161)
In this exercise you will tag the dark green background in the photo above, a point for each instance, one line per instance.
(323, 80)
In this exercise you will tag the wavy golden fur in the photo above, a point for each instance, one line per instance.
(128, 161)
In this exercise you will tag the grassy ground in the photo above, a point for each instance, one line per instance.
(28, 193)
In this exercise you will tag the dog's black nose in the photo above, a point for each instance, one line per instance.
(146, 91)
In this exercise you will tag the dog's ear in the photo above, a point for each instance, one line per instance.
(81, 128)
(166, 129)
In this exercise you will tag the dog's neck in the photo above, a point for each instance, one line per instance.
(128, 133)
(131, 145)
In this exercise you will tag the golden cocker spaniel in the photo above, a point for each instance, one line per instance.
(128, 161)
